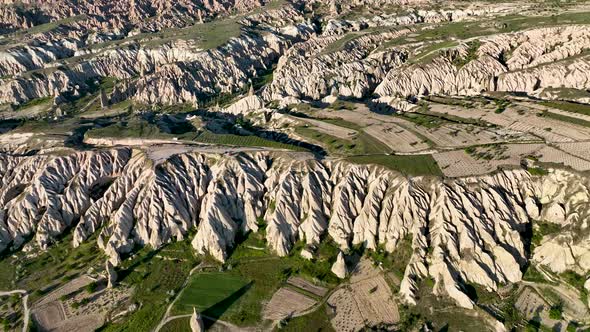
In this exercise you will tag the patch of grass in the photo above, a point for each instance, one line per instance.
(533, 275)
(410, 165)
(568, 106)
(7, 273)
(501, 105)
(210, 293)
(556, 311)
(512, 316)
(238, 140)
(540, 230)
(564, 118)
(33, 102)
(369, 144)
(317, 269)
(266, 276)
(472, 48)
(56, 266)
(134, 128)
(396, 261)
(537, 171)
(177, 325)
(577, 281)
(341, 123)
(479, 294)
(429, 52)
(318, 320)
(422, 119)
(91, 287)
(449, 118)
(342, 105)
(339, 44)
(246, 248)
(360, 144)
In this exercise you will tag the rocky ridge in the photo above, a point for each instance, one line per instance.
(527, 61)
(463, 230)
(117, 16)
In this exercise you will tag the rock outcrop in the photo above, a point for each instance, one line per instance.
(196, 322)
(111, 274)
(566, 203)
(339, 267)
(462, 230)
(528, 61)
(63, 63)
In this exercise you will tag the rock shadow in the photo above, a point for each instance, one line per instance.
(212, 314)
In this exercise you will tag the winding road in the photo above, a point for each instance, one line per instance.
(26, 313)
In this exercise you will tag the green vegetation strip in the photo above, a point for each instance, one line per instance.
(568, 106)
(564, 118)
(362, 143)
(410, 165)
(238, 140)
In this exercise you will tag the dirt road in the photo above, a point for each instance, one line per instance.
(26, 313)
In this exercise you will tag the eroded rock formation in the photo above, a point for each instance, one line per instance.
(462, 230)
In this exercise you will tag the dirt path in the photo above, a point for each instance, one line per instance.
(26, 313)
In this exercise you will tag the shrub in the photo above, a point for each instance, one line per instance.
(556, 311)
(91, 287)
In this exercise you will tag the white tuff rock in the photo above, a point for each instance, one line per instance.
(339, 267)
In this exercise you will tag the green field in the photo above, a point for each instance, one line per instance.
(139, 128)
(565, 118)
(129, 129)
(206, 35)
(239, 140)
(361, 143)
(177, 325)
(412, 165)
(211, 293)
(568, 106)
(156, 281)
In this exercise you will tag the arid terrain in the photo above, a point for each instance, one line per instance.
(296, 165)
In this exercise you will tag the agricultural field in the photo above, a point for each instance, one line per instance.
(307, 286)
(410, 165)
(522, 118)
(359, 144)
(287, 302)
(390, 130)
(532, 305)
(55, 267)
(82, 304)
(211, 293)
(366, 299)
